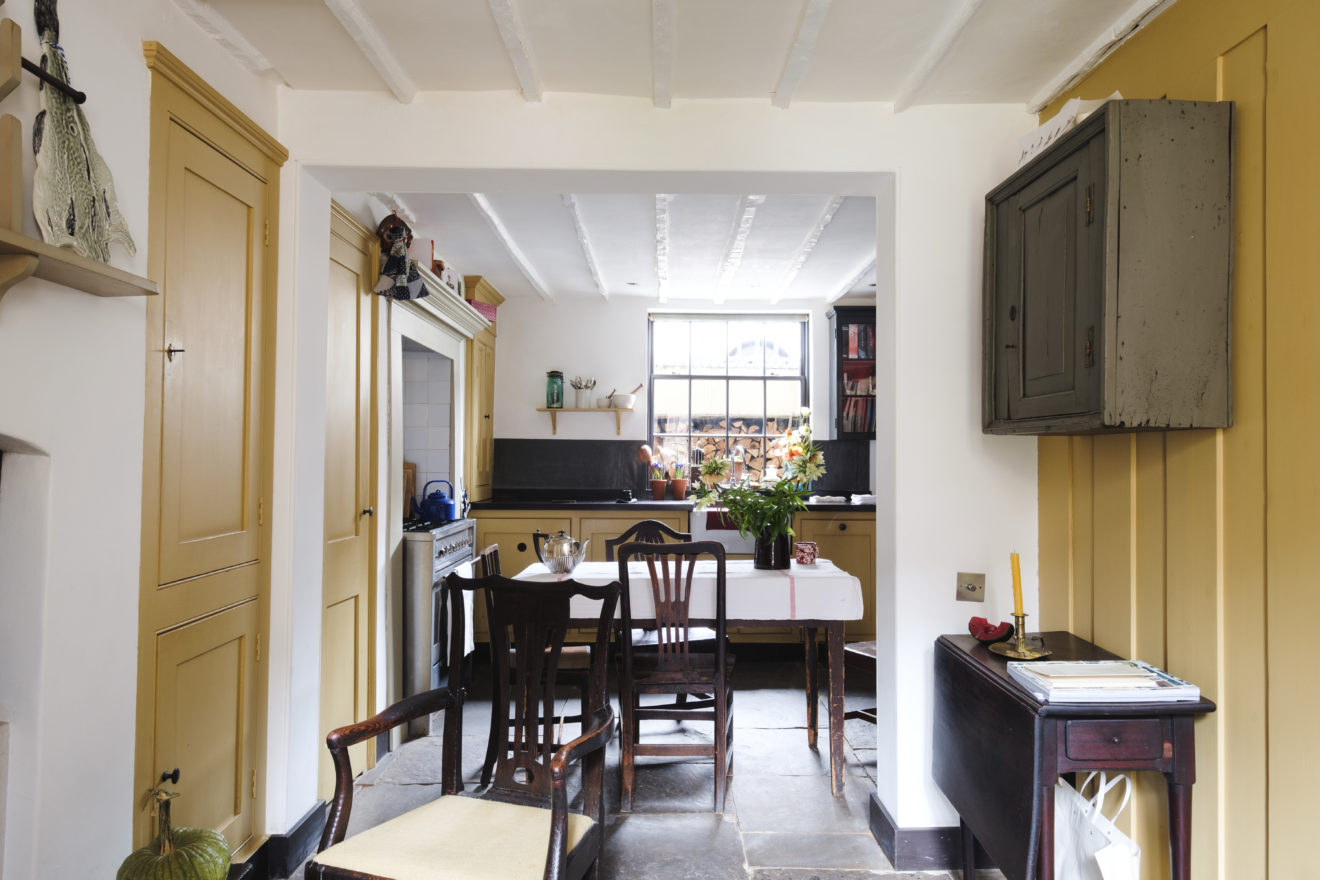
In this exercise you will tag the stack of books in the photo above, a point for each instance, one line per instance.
(1100, 681)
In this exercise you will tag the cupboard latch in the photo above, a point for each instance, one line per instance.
(1090, 346)
(1090, 203)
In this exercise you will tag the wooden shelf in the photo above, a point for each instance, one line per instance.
(21, 256)
(554, 415)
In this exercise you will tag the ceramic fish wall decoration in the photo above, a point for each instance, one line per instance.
(73, 194)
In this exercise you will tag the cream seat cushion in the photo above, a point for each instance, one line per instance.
(456, 837)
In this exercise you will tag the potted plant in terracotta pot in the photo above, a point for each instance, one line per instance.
(765, 512)
(679, 481)
(658, 482)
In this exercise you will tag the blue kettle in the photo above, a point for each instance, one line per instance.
(436, 507)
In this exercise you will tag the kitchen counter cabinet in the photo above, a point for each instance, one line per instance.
(846, 538)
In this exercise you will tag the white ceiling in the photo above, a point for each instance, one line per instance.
(685, 246)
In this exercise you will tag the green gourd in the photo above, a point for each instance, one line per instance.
(177, 853)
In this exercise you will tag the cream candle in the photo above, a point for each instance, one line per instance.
(1017, 584)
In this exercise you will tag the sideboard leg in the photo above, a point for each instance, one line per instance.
(1180, 830)
(1045, 864)
(810, 660)
(968, 851)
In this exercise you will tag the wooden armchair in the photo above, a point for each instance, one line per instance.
(521, 827)
(672, 668)
(651, 531)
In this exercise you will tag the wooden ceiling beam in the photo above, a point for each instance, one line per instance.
(487, 212)
(516, 46)
(866, 266)
(662, 201)
(584, 240)
(808, 245)
(737, 243)
(219, 28)
(939, 47)
(371, 43)
(662, 53)
(799, 56)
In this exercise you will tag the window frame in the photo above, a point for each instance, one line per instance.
(803, 378)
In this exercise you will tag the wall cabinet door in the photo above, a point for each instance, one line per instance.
(847, 540)
(602, 527)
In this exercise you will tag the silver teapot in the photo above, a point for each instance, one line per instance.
(559, 553)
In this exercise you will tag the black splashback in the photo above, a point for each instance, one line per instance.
(599, 468)
(587, 465)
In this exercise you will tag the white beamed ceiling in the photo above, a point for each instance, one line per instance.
(713, 248)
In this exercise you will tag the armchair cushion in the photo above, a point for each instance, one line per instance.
(456, 838)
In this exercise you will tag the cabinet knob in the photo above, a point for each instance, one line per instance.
(368, 511)
(843, 527)
(522, 546)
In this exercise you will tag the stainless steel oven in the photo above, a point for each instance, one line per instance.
(430, 552)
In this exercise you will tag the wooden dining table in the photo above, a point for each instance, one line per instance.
(820, 596)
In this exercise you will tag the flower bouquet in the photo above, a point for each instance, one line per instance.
(765, 512)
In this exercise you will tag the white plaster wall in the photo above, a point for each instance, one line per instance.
(607, 340)
(73, 389)
(963, 499)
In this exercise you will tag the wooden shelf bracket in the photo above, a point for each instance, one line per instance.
(554, 415)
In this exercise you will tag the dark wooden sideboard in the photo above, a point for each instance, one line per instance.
(998, 752)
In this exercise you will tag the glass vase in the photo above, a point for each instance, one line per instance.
(772, 553)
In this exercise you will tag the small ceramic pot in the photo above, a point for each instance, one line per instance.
(658, 488)
(806, 552)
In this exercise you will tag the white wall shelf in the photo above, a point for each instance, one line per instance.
(554, 415)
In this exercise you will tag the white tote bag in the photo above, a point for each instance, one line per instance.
(1087, 846)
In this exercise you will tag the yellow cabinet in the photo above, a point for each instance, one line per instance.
(479, 403)
(602, 526)
(848, 540)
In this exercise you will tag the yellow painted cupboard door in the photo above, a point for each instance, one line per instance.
(847, 540)
(207, 439)
(346, 579)
(204, 726)
(481, 383)
(211, 423)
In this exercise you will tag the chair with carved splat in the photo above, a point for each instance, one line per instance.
(521, 827)
(673, 668)
(574, 671)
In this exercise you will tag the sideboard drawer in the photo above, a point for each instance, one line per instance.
(1126, 739)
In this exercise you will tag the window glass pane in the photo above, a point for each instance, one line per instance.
(746, 406)
(783, 403)
(753, 454)
(670, 449)
(708, 406)
(783, 348)
(670, 406)
(669, 347)
(709, 348)
(746, 348)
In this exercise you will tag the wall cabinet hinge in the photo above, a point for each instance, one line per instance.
(254, 785)
(258, 647)
(261, 511)
(266, 232)
(1090, 204)
(1090, 346)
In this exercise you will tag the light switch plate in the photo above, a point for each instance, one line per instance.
(971, 586)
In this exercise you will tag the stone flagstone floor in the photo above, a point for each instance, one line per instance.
(780, 821)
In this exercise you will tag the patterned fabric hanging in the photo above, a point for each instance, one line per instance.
(399, 277)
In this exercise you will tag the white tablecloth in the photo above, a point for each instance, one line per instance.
(821, 591)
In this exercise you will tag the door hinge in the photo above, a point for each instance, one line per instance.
(261, 511)
(1090, 203)
(267, 232)
(1090, 346)
(254, 785)
(258, 647)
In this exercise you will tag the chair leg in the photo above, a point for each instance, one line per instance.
(627, 749)
(721, 749)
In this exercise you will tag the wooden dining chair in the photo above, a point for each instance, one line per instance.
(650, 530)
(521, 827)
(673, 668)
(574, 666)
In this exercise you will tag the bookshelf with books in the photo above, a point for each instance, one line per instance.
(852, 356)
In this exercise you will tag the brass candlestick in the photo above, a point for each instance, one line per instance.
(1018, 648)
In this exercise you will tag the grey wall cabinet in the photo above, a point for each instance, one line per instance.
(1107, 274)
(852, 380)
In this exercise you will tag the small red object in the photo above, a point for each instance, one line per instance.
(806, 552)
(988, 633)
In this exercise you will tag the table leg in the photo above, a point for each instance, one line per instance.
(834, 640)
(1180, 830)
(813, 683)
(1045, 863)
